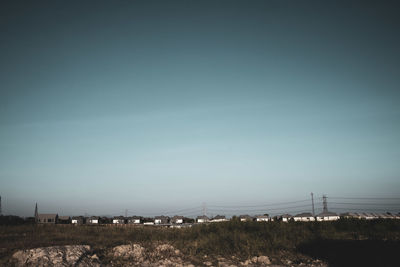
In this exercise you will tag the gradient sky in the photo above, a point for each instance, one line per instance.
(154, 106)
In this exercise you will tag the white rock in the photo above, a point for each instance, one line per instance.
(75, 255)
(263, 260)
(133, 251)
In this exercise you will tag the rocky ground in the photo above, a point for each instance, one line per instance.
(77, 255)
(137, 255)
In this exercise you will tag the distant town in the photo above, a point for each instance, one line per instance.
(182, 221)
(177, 220)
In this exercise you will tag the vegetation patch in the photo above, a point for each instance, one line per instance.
(241, 240)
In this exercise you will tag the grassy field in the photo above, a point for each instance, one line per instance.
(242, 239)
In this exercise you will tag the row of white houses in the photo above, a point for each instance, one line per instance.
(331, 216)
(180, 220)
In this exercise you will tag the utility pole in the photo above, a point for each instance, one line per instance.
(324, 203)
(1, 212)
(126, 213)
(312, 201)
(36, 213)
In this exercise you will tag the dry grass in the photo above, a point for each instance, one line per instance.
(242, 239)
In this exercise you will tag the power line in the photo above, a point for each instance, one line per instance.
(263, 205)
(371, 198)
(364, 209)
(304, 205)
(374, 204)
(184, 210)
(293, 212)
(278, 208)
(191, 214)
(132, 211)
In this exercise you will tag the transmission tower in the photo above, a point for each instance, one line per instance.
(324, 203)
(204, 209)
(312, 201)
(36, 213)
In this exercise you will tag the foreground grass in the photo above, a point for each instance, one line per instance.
(243, 239)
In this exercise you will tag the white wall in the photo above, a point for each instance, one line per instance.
(304, 219)
(327, 218)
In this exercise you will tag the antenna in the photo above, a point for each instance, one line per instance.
(312, 201)
(324, 203)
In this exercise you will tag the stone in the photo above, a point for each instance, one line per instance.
(225, 264)
(73, 255)
(130, 251)
(263, 260)
(165, 251)
(247, 262)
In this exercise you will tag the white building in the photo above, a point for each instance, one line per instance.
(161, 220)
(92, 220)
(219, 218)
(134, 220)
(245, 218)
(385, 216)
(350, 215)
(262, 218)
(304, 217)
(77, 220)
(368, 216)
(119, 220)
(202, 219)
(177, 219)
(327, 216)
(286, 217)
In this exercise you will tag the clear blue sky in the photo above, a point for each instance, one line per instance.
(155, 106)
